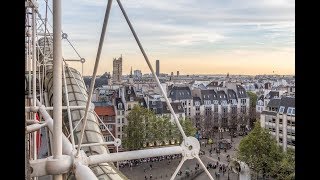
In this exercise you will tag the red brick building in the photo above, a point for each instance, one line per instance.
(107, 115)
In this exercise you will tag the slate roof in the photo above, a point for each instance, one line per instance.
(261, 98)
(272, 94)
(222, 95)
(175, 107)
(209, 94)
(287, 102)
(231, 94)
(274, 103)
(197, 99)
(241, 92)
(178, 93)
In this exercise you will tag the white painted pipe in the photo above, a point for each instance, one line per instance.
(66, 147)
(35, 127)
(29, 109)
(97, 144)
(57, 83)
(68, 107)
(129, 155)
(83, 172)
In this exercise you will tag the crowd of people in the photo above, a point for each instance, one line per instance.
(137, 162)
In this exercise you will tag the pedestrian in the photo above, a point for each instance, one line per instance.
(150, 176)
(145, 177)
(218, 158)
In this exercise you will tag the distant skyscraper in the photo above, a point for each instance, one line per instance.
(117, 69)
(157, 67)
(177, 73)
(171, 73)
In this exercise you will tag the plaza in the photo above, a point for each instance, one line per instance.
(164, 169)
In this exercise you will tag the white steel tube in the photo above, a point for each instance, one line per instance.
(152, 71)
(104, 125)
(178, 168)
(204, 167)
(83, 172)
(34, 78)
(97, 144)
(129, 155)
(35, 127)
(57, 80)
(34, 58)
(103, 32)
(57, 83)
(28, 109)
(68, 108)
(67, 147)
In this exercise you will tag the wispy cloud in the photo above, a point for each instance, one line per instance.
(187, 27)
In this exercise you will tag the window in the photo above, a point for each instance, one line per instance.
(291, 111)
(153, 102)
(118, 120)
(280, 131)
(280, 140)
(129, 91)
(119, 129)
(281, 109)
(119, 136)
(273, 120)
(198, 108)
(215, 109)
(120, 106)
(280, 121)
(179, 107)
(122, 120)
(197, 103)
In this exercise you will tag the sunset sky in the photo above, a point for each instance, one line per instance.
(191, 36)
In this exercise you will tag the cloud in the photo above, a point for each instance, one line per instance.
(179, 27)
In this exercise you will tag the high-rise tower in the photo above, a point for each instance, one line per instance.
(157, 67)
(117, 70)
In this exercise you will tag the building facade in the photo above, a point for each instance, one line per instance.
(279, 119)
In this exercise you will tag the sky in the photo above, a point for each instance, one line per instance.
(190, 36)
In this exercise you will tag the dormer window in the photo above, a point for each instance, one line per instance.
(179, 107)
(129, 91)
(153, 102)
(291, 111)
(120, 106)
(281, 109)
(171, 93)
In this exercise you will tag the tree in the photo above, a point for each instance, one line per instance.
(187, 127)
(259, 150)
(284, 169)
(138, 129)
(252, 108)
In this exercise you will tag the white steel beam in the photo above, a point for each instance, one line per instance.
(129, 155)
(57, 83)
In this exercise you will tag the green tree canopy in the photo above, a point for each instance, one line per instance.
(145, 127)
(253, 99)
(259, 150)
